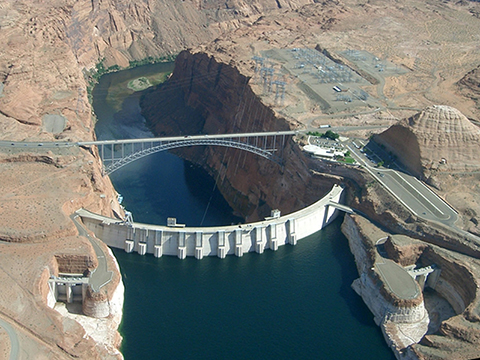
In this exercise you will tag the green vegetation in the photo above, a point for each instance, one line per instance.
(347, 160)
(100, 70)
(329, 134)
(92, 76)
(152, 60)
(139, 84)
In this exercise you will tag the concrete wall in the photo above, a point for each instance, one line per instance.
(214, 241)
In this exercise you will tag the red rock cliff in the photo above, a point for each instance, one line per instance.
(207, 96)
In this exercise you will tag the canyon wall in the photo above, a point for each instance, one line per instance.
(49, 50)
(417, 329)
(120, 32)
(204, 96)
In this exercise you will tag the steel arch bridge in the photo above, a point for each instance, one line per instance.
(116, 154)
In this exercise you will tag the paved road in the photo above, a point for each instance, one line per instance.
(412, 193)
(14, 347)
(100, 276)
(408, 190)
(189, 137)
(341, 129)
(23, 144)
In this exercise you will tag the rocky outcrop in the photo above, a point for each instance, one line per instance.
(439, 138)
(469, 84)
(403, 321)
(48, 48)
(406, 324)
(76, 263)
(205, 96)
(128, 31)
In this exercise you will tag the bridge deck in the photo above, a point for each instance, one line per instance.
(188, 137)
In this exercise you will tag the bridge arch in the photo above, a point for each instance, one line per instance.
(117, 164)
(116, 154)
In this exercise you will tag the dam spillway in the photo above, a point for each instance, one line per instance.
(214, 241)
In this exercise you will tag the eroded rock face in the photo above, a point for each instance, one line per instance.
(470, 84)
(457, 334)
(439, 138)
(204, 96)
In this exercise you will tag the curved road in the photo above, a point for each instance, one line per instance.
(14, 347)
(412, 193)
(101, 275)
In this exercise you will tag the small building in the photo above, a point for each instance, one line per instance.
(172, 222)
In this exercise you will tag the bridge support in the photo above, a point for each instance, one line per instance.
(142, 248)
(69, 293)
(238, 243)
(157, 240)
(157, 251)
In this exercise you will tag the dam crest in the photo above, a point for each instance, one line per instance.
(220, 240)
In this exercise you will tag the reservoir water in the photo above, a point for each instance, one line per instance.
(295, 303)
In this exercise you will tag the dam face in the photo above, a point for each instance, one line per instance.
(214, 241)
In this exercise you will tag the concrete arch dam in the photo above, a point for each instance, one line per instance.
(216, 241)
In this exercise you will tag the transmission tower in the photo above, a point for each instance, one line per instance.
(267, 74)
(279, 90)
(258, 63)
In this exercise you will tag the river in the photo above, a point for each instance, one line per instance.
(295, 303)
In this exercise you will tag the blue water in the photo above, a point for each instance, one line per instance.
(295, 303)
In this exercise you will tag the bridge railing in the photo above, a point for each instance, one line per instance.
(118, 153)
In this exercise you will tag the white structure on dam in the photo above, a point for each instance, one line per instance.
(216, 241)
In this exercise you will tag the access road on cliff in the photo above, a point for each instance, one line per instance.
(410, 191)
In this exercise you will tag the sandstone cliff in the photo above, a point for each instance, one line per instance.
(47, 47)
(435, 327)
(439, 138)
(205, 96)
(469, 84)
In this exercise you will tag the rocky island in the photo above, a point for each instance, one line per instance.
(422, 84)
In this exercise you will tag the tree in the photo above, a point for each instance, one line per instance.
(331, 135)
